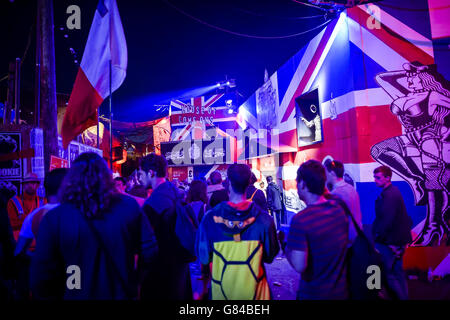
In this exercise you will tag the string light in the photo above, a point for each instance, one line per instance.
(244, 34)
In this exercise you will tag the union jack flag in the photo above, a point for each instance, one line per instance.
(192, 118)
(342, 61)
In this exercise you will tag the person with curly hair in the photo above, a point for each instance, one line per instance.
(94, 230)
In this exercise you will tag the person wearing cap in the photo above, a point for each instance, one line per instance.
(20, 206)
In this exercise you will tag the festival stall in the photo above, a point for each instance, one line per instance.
(200, 142)
(368, 90)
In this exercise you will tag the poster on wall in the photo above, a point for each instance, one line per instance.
(196, 152)
(74, 152)
(10, 166)
(56, 162)
(309, 120)
(37, 144)
(421, 101)
(266, 104)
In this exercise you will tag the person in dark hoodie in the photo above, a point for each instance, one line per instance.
(256, 195)
(170, 277)
(238, 237)
(86, 247)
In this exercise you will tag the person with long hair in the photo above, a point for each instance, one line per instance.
(86, 247)
(421, 156)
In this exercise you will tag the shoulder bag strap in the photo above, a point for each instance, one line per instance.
(350, 215)
(251, 198)
(109, 258)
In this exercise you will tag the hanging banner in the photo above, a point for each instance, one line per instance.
(56, 162)
(10, 159)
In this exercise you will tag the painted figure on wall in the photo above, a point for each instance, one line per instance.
(315, 122)
(421, 156)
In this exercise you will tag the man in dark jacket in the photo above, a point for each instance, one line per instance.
(391, 230)
(274, 201)
(238, 238)
(169, 278)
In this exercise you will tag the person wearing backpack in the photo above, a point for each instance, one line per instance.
(237, 237)
(169, 278)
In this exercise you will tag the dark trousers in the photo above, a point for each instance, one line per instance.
(277, 215)
(393, 269)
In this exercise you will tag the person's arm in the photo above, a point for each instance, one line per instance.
(13, 215)
(297, 245)
(203, 246)
(269, 197)
(148, 245)
(309, 124)
(26, 235)
(22, 246)
(297, 259)
(388, 81)
(47, 274)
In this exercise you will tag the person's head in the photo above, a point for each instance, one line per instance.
(311, 178)
(154, 167)
(53, 181)
(425, 78)
(88, 185)
(334, 171)
(261, 184)
(121, 184)
(197, 192)
(239, 175)
(269, 179)
(382, 176)
(215, 177)
(30, 184)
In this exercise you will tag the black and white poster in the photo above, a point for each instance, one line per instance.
(309, 120)
(196, 152)
(421, 156)
(10, 162)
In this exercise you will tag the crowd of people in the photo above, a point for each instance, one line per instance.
(99, 237)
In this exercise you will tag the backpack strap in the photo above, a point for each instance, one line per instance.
(251, 198)
(18, 205)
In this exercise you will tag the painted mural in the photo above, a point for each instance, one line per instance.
(391, 107)
(421, 156)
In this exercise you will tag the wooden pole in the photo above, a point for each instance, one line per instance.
(10, 93)
(37, 81)
(17, 93)
(48, 119)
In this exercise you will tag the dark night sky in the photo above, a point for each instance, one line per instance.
(167, 51)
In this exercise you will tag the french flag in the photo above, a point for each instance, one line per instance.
(106, 44)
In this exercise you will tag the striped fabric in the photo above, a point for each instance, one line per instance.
(322, 231)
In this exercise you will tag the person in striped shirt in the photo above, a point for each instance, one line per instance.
(318, 239)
